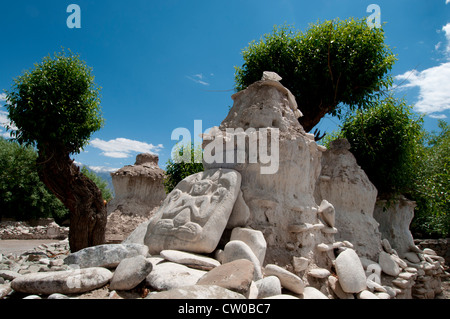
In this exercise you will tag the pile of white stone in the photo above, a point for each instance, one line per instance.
(47, 229)
(236, 272)
(44, 258)
(416, 277)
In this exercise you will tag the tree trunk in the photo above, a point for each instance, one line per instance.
(312, 117)
(80, 195)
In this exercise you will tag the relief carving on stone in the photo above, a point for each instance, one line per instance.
(196, 212)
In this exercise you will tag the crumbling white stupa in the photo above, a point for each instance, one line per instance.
(343, 183)
(139, 187)
(281, 198)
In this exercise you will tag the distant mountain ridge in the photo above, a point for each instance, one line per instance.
(106, 175)
(103, 172)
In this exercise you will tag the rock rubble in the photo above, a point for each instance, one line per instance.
(47, 272)
(45, 229)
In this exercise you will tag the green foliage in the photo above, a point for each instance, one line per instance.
(386, 141)
(432, 193)
(332, 63)
(398, 156)
(22, 195)
(181, 166)
(100, 182)
(56, 105)
(330, 137)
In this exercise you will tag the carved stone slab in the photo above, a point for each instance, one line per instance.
(195, 214)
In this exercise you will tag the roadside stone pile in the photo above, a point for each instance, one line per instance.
(430, 271)
(44, 258)
(171, 274)
(125, 271)
(417, 277)
(119, 225)
(46, 229)
(440, 246)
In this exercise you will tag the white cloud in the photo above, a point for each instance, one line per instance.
(123, 147)
(438, 116)
(446, 29)
(102, 169)
(116, 154)
(4, 120)
(97, 169)
(198, 78)
(434, 87)
(447, 1)
(437, 46)
(433, 83)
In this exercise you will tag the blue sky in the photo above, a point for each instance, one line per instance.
(164, 64)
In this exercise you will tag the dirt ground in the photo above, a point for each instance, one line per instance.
(17, 246)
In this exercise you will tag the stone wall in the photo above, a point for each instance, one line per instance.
(40, 229)
(440, 246)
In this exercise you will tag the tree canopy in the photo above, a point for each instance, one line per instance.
(22, 195)
(56, 105)
(432, 185)
(400, 157)
(386, 141)
(333, 63)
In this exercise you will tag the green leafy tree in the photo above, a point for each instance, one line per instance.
(22, 194)
(386, 142)
(399, 157)
(181, 166)
(56, 107)
(432, 193)
(332, 64)
(100, 182)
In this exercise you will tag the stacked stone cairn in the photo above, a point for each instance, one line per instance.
(231, 232)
